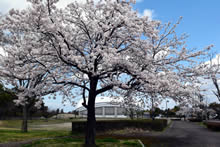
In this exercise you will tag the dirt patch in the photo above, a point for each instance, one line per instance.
(126, 131)
(16, 144)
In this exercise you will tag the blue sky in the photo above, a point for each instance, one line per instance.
(201, 21)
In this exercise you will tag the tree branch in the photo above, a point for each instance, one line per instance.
(104, 89)
(84, 96)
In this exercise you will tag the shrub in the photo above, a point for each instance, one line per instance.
(105, 125)
(213, 125)
(195, 120)
(176, 119)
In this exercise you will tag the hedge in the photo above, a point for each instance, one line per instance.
(213, 125)
(105, 125)
(195, 120)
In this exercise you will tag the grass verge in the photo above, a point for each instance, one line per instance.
(70, 142)
(17, 123)
(16, 135)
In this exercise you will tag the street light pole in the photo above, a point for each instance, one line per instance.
(206, 116)
(166, 108)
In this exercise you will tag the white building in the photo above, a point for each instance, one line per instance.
(105, 107)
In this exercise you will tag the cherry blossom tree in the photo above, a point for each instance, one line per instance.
(104, 46)
(214, 64)
(28, 78)
(132, 105)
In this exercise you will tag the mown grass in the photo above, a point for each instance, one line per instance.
(60, 139)
(17, 135)
(11, 124)
(70, 142)
(36, 124)
(10, 132)
(17, 123)
(48, 122)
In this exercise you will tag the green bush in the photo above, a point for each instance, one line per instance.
(213, 125)
(105, 125)
(195, 120)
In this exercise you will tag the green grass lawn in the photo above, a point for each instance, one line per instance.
(17, 123)
(10, 124)
(10, 132)
(70, 142)
(61, 140)
(37, 124)
(43, 122)
(17, 135)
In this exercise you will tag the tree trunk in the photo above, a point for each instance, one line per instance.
(91, 127)
(131, 114)
(152, 116)
(91, 120)
(152, 100)
(24, 127)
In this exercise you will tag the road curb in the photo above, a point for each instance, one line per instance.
(141, 143)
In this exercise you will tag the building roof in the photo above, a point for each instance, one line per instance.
(103, 100)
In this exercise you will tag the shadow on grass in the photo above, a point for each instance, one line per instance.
(67, 142)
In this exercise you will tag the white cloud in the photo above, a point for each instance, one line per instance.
(208, 93)
(207, 87)
(148, 12)
(214, 61)
(64, 3)
(6, 5)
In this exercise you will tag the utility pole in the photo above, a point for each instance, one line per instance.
(206, 117)
(152, 109)
(166, 107)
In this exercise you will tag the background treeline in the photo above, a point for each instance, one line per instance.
(8, 109)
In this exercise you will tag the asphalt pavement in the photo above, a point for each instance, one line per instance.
(187, 134)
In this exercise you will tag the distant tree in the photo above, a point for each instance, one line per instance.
(170, 112)
(156, 112)
(29, 80)
(215, 106)
(61, 111)
(75, 113)
(7, 106)
(45, 111)
(175, 109)
(132, 106)
(215, 82)
(58, 111)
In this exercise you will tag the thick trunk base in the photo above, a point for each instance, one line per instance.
(90, 132)
(24, 127)
(91, 121)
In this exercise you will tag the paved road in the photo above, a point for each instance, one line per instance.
(188, 134)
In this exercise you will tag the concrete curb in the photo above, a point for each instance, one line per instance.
(141, 143)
